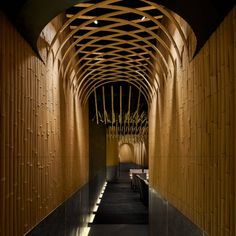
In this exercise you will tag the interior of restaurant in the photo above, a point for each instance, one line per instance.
(117, 117)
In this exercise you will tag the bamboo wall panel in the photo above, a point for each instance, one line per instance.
(140, 153)
(112, 152)
(43, 130)
(126, 152)
(192, 134)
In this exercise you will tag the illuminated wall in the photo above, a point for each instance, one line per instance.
(141, 153)
(44, 133)
(112, 155)
(192, 134)
(126, 152)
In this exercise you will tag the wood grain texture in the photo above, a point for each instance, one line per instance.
(44, 153)
(111, 41)
(192, 134)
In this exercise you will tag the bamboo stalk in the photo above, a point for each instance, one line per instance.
(7, 125)
(112, 106)
(15, 138)
(104, 105)
(120, 106)
(129, 102)
(96, 107)
(3, 134)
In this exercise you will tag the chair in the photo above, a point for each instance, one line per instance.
(133, 181)
(143, 190)
(146, 171)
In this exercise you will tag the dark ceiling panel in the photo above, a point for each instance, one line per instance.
(31, 16)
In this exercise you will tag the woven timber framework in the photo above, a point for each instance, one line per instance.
(118, 41)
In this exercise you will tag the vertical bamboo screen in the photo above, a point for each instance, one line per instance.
(192, 135)
(43, 135)
(112, 153)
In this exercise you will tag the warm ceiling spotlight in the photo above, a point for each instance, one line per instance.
(95, 22)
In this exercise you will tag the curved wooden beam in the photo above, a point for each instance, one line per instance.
(89, 71)
(85, 99)
(122, 10)
(171, 18)
(82, 12)
(114, 75)
(115, 64)
(120, 42)
(115, 54)
(83, 77)
(101, 47)
(109, 28)
(121, 33)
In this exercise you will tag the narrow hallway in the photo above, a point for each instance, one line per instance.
(121, 211)
(88, 85)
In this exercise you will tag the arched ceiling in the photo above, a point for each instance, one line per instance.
(121, 53)
(116, 41)
(31, 16)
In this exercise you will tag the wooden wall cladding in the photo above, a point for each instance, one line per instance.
(112, 151)
(192, 135)
(44, 135)
(140, 153)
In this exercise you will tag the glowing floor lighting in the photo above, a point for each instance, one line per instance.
(86, 231)
(95, 209)
(91, 218)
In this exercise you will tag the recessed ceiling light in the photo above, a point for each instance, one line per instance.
(96, 22)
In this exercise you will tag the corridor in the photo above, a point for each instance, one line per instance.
(121, 211)
(93, 92)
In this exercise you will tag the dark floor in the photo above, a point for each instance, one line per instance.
(120, 212)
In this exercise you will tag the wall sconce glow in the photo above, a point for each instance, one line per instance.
(95, 22)
(143, 18)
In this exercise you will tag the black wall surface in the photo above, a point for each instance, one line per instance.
(166, 220)
(68, 218)
(97, 160)
(31, 16)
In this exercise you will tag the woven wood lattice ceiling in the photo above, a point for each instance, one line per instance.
(122, 50)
